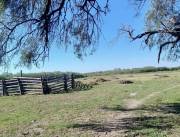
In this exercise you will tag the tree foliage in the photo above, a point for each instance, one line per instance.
(29, 27)
(162, 27)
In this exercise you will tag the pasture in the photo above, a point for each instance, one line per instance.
(148, 107)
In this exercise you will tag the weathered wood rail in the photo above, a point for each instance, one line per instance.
(43, 85)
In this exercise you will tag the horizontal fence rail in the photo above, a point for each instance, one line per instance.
(43, 85)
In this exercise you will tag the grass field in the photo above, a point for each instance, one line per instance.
(150, 107)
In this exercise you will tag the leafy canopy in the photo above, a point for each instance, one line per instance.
(162, 27)
(29, 27)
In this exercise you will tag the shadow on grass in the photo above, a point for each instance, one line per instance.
(137, 126)
(170, 108)
(164, 108)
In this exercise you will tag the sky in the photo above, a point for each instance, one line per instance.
(111, 52)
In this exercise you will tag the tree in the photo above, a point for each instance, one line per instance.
(29, 27)
(162, 27)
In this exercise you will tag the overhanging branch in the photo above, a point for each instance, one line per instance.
(172, 36)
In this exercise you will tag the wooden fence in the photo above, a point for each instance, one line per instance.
(29, 85)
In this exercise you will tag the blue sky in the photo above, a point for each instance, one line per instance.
(111, 52)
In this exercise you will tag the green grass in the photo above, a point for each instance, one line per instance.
(98, 111)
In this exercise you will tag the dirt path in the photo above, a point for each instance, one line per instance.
(117, 122)
(133, 103)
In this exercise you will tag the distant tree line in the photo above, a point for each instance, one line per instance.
(82, 75)
(40, 74)
(134, 70)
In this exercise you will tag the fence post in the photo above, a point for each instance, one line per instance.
(20, 86)
(1, 92)
(4, 88)
(65, 83)
(21, 73)
(44, 85)
(72, 81)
